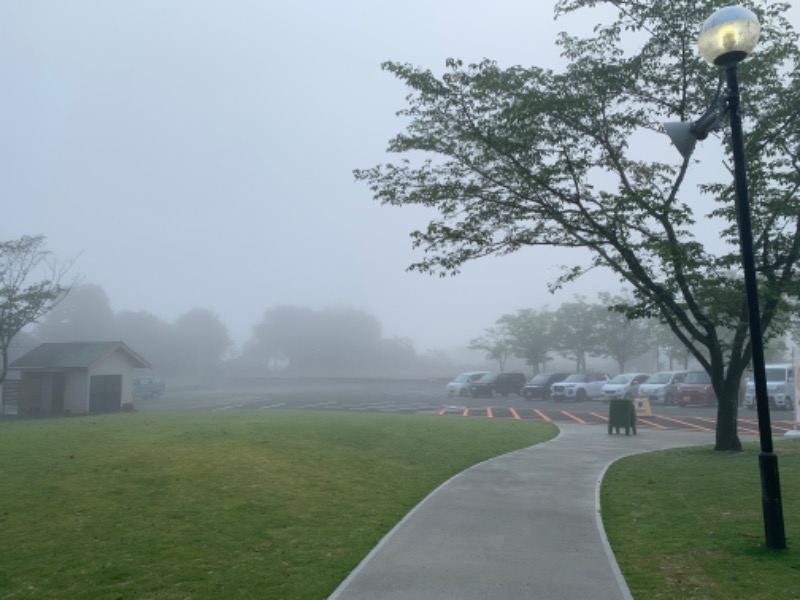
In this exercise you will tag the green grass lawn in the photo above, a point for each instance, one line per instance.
(283, 505)
(687, 524)
(235, 504)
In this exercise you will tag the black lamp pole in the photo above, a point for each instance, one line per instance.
(767, 460)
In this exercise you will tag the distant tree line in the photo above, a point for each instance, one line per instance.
(289, 338)
(196, 343)
(580, 330)
(300, 339)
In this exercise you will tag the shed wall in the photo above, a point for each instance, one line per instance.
(117, 363)
(76, 392)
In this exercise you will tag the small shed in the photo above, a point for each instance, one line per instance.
(75, 378)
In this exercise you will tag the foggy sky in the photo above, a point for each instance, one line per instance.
(198, 153)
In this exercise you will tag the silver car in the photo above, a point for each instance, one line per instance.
(662, 387)
(460, 385)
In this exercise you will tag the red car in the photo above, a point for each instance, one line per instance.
(696, 390)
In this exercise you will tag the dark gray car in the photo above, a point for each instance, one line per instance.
(538, 388)
(498, 383)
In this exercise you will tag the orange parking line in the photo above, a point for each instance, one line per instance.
(741, 428)
(680, 422)
(542, 416)
(713, 422)
(516, 416)
(651, 423)
(599, 416)
(571, 416)
(753, 426)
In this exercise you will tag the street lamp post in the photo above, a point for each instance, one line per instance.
(726, 38)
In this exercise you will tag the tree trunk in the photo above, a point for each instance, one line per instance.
(3, 374)
(727, 423)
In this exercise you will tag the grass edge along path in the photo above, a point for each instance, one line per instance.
(235, 504)
(687, 524)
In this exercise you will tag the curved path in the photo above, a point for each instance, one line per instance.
(522, 525)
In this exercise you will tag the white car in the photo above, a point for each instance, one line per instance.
(460, 385)
(623, 386)
(579, 387)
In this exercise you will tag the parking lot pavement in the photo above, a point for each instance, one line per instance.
(429, 397)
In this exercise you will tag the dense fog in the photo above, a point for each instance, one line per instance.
(200, 155)
(581, 335)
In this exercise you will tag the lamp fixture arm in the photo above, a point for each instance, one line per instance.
(685, 135)
(712, 118)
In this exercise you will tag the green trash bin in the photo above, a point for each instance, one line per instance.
(621, 414)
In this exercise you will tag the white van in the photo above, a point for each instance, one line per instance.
(780, 387)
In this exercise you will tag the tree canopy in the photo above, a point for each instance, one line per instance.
(577, 331)
(301, 339)
(531, 336)
(529, 157)
(497, 343)
(201, 342)
(83, 315)
(196, 343)
(30, 285)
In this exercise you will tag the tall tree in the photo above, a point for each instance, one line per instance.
(530, 332)
(575, 333)
(304, 339)
(398, 352)
(620, 337)
(527, 157)
(148, 335)
(286, 333)
(30, 285)
(666, 343)
(84, 315)
(497, 343)
(201, 341)
(346, 338)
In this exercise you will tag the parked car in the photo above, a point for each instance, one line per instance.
(696, 390)
(579, 387)
(624, 386)
(460, 384)
(539, 386)
(498, 383)
(780, 387)
(662, 387)
(148, 387)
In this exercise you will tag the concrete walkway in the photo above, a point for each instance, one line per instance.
(522, 525)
